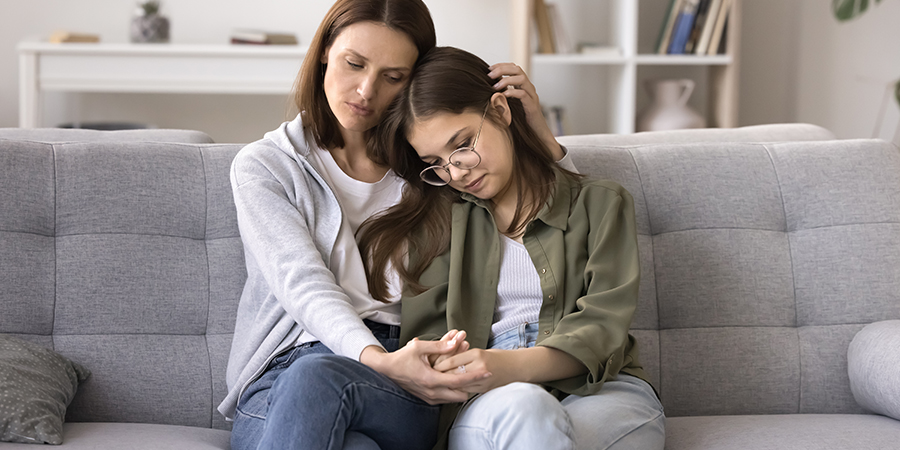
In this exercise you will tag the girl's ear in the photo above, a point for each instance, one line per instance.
(501, 105)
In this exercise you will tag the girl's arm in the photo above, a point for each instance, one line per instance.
(530, 365)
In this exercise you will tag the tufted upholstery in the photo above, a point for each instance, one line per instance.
(126, 258)
(760, 263)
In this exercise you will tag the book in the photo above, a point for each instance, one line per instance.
(560, 38)
(260, 37)
(60, 37)
(718, 33)
(665, 33)
(546, 39)
(697, 29)
(709, 24)
(683, 26)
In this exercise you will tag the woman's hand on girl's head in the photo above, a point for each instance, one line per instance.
(410, 368)
(514, 83)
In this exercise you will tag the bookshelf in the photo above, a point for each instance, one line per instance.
(608, 84)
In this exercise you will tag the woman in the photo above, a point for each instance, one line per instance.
(538, 266)
(306, 325)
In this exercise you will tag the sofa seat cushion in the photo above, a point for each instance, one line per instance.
(794, 431)
(135, 436)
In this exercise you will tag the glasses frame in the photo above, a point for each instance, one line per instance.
(443, 167)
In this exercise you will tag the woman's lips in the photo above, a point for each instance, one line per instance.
(359, 109)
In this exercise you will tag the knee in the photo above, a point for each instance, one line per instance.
(313, 372)
(517, 404)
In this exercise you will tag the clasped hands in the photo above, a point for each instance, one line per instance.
(442, 371)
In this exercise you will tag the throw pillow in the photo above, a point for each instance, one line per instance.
(36, 386)
(872, 362)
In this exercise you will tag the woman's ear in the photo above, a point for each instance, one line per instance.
(501, 105)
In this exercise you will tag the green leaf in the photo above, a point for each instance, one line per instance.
(845, 10)
(897, 92)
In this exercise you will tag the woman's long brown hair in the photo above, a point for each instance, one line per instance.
(410, 17)
(453, 81)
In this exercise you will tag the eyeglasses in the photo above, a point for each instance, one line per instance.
(464, 158)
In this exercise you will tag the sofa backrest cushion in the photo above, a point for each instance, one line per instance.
(760, 263)
(85, 135)
(126, 258)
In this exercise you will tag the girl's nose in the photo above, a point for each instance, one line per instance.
(456, 173)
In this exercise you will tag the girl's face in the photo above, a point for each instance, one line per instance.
(436, 137)
(368, 65)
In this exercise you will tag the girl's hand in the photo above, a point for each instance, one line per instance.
(514, 83)
(499, 366)
(411, 369)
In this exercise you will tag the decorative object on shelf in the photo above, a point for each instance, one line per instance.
(148, 25)
(260, 37)
(669, 109)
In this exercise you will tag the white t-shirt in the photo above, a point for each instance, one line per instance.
(359, 201)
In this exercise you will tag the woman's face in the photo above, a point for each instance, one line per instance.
(368, 65)
(436, 137)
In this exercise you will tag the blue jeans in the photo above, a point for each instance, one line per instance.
(310, 398)
(625, 414)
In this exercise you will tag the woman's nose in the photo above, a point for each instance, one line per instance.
(366, 88)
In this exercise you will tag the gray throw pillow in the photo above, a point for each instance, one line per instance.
(36, 386)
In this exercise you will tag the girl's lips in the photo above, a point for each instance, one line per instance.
(359, 109)
(475, 185)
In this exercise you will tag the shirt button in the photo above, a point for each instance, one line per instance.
(543, 270)
(546, 332)
(550, 296)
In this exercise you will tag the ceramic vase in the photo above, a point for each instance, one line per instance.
(669, 109)
(150, 28)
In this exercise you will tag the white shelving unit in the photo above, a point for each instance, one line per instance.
(620, 72)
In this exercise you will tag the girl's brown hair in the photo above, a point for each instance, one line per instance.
(407, 16)
(447, 80)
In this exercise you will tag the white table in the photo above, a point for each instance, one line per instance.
(151, 68)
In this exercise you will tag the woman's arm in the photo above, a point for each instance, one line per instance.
(278, 229)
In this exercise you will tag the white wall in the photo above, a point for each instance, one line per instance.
(798, 63)
(479, 26)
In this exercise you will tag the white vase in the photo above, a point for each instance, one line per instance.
(669, 109)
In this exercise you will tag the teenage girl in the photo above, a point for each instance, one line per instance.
(538, 266)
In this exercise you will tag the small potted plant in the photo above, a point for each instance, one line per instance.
(148, 25)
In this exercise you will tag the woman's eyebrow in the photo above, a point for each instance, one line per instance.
(360, 56)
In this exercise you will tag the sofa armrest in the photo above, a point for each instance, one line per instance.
(873, 363)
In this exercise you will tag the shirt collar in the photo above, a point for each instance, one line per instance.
(556, 212)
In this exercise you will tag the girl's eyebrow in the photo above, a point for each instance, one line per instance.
(450, 143)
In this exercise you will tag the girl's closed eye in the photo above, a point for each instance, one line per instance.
(354, 65)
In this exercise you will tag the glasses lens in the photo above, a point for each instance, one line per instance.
(465, 158)
(435, 176)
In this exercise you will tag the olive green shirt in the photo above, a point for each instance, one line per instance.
(584, 246)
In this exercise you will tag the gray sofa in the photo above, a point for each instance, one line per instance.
(765, 250)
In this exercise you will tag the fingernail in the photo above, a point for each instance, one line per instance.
(486, 375)
(497, 85)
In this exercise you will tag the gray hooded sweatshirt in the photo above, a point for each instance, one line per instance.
(289, 220)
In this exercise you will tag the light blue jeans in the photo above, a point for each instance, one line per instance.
(625, 414)
(310, 398)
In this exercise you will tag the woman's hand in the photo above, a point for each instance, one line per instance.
(462, 345)
(411, 369)
(514, 83)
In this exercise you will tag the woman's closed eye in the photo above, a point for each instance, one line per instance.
(354, 65)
